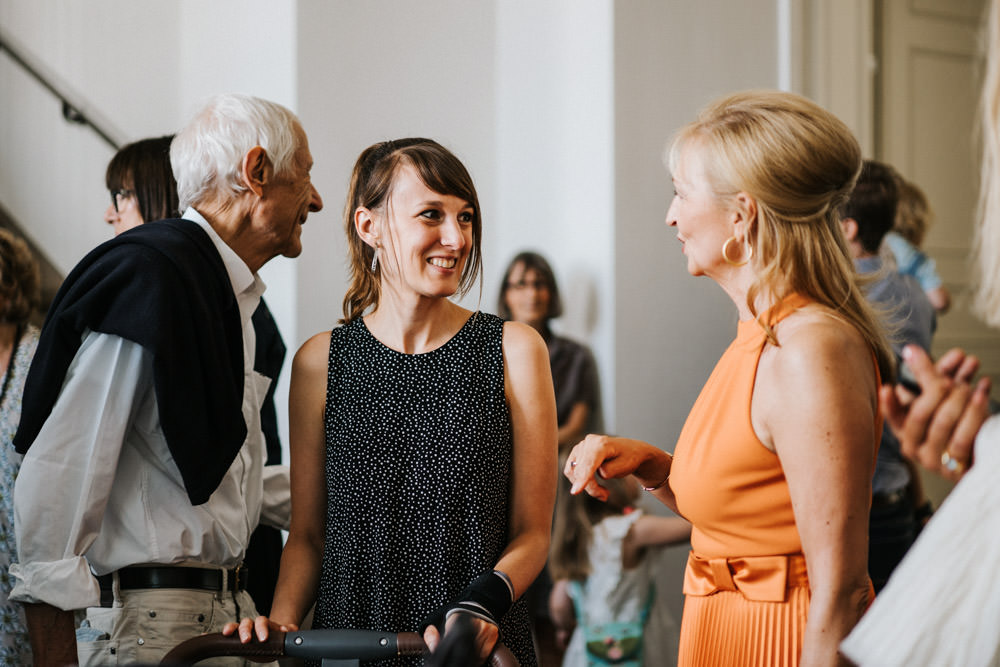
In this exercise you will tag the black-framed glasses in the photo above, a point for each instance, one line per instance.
(122, 193)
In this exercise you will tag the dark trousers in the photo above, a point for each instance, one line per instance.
(892, 529)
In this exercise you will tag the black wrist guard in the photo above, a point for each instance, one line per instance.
(488, 597)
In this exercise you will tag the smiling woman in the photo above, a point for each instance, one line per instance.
(773, 467)
(423, 435)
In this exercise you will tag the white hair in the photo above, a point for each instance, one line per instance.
(206, 156)
(987, 247)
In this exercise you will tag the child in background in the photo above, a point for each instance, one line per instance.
(913, 216)
(601, 565)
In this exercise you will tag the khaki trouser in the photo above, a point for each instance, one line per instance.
(143, 625)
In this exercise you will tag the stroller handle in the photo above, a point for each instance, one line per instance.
(315, 644)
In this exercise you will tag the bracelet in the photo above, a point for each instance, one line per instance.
(658, 486)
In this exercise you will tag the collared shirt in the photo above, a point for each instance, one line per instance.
(98, 490)
(913, 319)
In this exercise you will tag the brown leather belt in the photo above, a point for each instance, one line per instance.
(159, 577)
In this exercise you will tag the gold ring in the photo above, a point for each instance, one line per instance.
(951, 464)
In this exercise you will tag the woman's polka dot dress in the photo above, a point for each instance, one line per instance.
(418, 467)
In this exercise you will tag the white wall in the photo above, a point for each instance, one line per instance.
(671, 58)
(555, 160)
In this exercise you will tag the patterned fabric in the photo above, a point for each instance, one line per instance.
(14, 648)
(418, 467)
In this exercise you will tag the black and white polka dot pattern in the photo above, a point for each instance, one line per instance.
(418, 465)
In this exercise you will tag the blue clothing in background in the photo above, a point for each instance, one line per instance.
(911, 261)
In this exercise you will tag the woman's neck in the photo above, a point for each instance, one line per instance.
(415, 326)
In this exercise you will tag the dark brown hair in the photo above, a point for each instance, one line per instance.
(144, 168)
(872, 203)
(371, 187)
(19, 279)
(534, 262)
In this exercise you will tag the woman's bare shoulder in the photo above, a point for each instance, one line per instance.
(314, 353)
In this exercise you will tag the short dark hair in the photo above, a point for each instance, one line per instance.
(144, 168)
(535, 262)
(19, 279)
(872, 204)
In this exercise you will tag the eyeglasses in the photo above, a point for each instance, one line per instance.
(120, 194)
(536, 285)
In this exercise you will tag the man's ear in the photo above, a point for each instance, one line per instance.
(255, 171)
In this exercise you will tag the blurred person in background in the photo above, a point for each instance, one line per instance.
(19, 295)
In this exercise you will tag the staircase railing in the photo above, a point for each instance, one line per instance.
(74, 107)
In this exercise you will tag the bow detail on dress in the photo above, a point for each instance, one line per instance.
(760, 578)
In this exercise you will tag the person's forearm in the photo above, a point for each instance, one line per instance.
(653, 475)
(831, 618)
(52, 635)
(298, 580)
(523, 559)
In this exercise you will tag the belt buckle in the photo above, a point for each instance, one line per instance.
(238, 578)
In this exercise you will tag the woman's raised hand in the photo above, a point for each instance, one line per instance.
(603, 456)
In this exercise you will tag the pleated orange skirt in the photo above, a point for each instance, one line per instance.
(744, 612)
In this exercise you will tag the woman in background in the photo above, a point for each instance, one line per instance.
(141, 184)
(773, 467)
(529, 294)
(19, 296)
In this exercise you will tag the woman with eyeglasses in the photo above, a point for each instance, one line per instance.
(529, 294)
(141, 183)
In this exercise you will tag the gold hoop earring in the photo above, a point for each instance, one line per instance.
(725, 253)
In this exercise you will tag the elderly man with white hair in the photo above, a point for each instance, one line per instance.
(144, 473)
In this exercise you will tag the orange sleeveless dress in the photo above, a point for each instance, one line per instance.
(746, 588)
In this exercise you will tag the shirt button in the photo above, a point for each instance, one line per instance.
(141, 641)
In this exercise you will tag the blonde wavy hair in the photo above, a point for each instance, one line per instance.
(987, 257)
(799, 163)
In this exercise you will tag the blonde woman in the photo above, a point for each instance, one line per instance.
(773, 467)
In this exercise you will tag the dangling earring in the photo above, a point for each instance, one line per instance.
(725, 253)
(374, 259)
